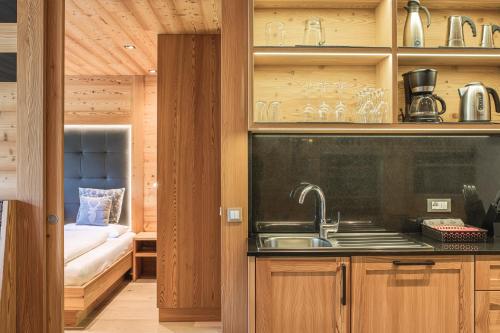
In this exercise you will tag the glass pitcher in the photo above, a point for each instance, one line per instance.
(314, 32)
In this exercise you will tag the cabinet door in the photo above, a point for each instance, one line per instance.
(487, 311)
(487, 272)
(412, 294)
(302, 295)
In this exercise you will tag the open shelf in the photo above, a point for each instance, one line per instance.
(408, 56)
(481, 11)
(145, 254)
(317, 56)
(346, 23)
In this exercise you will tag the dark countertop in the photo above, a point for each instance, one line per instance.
(492, 246)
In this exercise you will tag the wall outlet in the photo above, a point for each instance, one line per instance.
(234, 215)
(438, 205)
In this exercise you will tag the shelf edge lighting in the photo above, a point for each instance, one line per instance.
(323, 54)
(449, 55)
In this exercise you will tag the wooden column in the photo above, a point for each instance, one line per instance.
(188, 144)
(39, 255)
(234, 163)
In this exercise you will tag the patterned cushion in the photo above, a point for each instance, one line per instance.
(116, 196)
(94, 211)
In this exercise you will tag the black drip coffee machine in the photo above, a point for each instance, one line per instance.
(421, 103)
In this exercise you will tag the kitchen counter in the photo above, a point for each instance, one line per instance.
(492, 246)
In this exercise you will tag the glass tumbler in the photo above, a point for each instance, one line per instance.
(275, 34)
(314, 33)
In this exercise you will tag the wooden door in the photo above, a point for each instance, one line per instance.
(301, 295)
(412, 294)
(188, 245)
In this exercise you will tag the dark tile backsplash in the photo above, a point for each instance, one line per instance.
(385, 179)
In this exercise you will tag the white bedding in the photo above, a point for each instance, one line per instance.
(79, 271)
(113, 230)
(77, 243)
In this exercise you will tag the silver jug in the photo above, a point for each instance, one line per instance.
(475, 104)
(456, 30)
(414, 31)
(487, 40)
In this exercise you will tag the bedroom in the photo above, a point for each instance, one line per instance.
(125, 268)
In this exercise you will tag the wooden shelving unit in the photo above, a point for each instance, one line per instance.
(364, 49)
(144, 255)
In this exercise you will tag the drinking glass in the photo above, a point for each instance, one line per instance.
(273, 111)
(275, 34)
(261, 108)
(314, 33)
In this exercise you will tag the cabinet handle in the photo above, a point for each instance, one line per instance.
(413, 263)
(343, 296)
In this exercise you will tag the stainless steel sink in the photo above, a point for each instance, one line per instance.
(368, 241)
(293, 242)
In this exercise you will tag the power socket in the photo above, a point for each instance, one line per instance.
(438, 205)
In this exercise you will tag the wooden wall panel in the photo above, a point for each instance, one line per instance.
(189, 177)
(8, 37)
(150, 133)
(234, 163)
(8, 140)
(137, 122)
(8, 267)
(98, 99)
(31, 253)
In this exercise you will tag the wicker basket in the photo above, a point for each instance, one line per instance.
(465, 234)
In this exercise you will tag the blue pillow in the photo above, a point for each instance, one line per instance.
(94, 211)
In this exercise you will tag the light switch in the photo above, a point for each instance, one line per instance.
(234, 215)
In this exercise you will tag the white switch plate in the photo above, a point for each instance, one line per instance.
(438, 205)
(234, 215)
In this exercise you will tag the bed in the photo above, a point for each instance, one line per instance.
(96, 258)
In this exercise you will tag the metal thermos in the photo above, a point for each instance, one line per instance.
(456, 30)
(475, 105)
(487, 40)
(414, 31)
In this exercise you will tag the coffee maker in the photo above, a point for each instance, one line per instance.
(421, 102)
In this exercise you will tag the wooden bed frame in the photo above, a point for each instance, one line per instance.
(79, 302)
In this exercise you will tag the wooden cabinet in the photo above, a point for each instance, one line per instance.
(487, 316)
(302, 295)
(412, 294)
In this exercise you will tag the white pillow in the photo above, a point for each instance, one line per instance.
(113, 230)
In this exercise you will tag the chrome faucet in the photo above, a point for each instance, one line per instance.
(324, 226)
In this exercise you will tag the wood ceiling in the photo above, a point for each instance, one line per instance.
(97, 30)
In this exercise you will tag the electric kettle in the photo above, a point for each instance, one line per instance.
(487, 35)
(456, 30)
(414, 31)
(475, 105)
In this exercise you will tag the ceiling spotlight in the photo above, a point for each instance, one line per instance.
(129, 46)
(152, 71)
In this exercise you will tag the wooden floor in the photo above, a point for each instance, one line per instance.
(133, 310)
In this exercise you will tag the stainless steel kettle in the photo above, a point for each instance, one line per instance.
(455, 32)
(413, 35)
(475, 105)
(488, 31)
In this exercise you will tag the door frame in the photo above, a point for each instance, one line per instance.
(40, 135)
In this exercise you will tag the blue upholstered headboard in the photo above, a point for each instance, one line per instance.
(96, 157)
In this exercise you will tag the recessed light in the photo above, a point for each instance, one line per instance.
(129, 46)
(152, 71)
